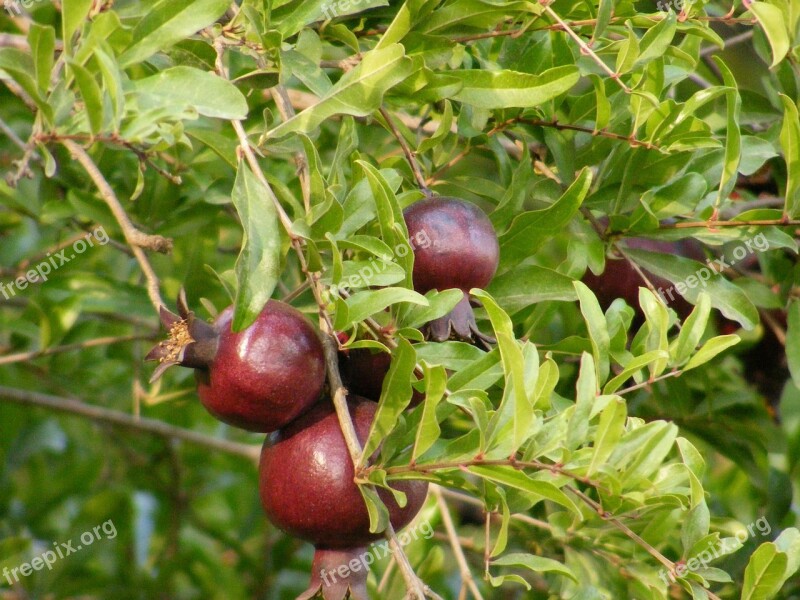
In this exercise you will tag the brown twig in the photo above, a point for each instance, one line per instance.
(455, 544)
(410, 157)
(104, 341)
(124, 420)
(135, 238)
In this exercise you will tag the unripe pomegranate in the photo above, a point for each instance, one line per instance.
(307, 489)
(259, 379)
(460, 251)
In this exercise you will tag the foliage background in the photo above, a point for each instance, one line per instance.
(502, 107)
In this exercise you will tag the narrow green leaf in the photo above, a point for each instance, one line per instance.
(428, 430)
(609, 430)
(368, 302)
(358, 93)
(763, 576)
(73, 14)
(537, 489)
(91, 94)
(733, 140)
(530, 230)
(528, 285)
(395, 397)
(773, 22)
(632, 367)
(793, 341)
(537, 564)
(167, 23)
(586, 392)
(509, 89)
(187, 87)
(790, 143)
(258, 265)
(710, 349)
(598, 330)
(42, 41)
(692, 331)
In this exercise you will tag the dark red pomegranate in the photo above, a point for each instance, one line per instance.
(620, 279)
(307, 489)
(363, 372)
(259, 379)
(455, 246)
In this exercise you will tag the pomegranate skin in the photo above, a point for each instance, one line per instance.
(364, 371)
(620, 279)
(455, 245)
(306, 481)
(264, 377)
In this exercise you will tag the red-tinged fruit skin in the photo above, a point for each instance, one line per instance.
(455, 247)
(306, 480)
(267, 375)
(258, 379)
(363, 372)
(307, 488)
(620, 279)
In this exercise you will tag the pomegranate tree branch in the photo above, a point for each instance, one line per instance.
(284, 104)
(104, 341)
(783, 222)
(455, 544)
(135, 238)
(410, 157)
(585, 49)
(126, 421)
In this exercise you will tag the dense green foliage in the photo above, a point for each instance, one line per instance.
(251, 142)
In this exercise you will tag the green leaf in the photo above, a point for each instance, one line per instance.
(598, 329)
(695, 527)
(258, 265)
(773, 22)
(294, 16)
(74, 13)
(632, 367)
(790, 143)
(537, 564)
(428, 430)
(395, 397)
(538, 490)
(187, 87)
(91, 94)
(657, 39)
(509, 89)
(529, 285)
(42, 41)
(609, 431)
(763, 576)
(793, 341)
(692, 331)
(366, 303)
(530, 230)
(586, 392)
(167, 23)
(378, 513)
(710, 349)
(733, 140)
(358, 93)
(691, 278)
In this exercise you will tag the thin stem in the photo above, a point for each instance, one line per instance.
(585, 49)
(783, 222)
(126, 421)
(455, 544)
(284, 104)
(638, 386)
(410, 157)
(104, 341)
(135, 238)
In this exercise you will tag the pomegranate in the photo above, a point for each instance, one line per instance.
(461, 252)
(248, 379)
(307, 489)
(363, 372)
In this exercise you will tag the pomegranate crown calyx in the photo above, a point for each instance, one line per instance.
(191, 342)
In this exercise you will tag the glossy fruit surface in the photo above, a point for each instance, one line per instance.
(258, 379)
(267, 375)
(455, 245)
(306, 481)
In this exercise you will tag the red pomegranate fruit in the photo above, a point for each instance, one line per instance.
(306, 481)
(455, 247)
(621, 280)
(363, 372)
(250, 379)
